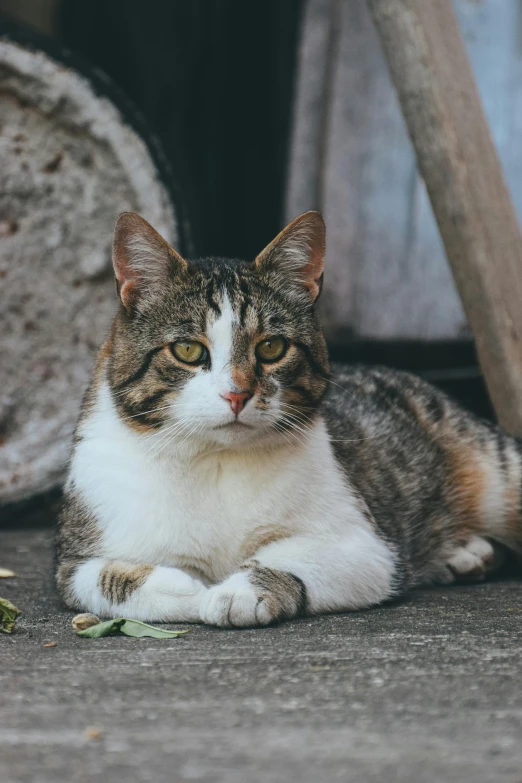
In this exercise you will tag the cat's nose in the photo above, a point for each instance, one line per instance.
(236, 400)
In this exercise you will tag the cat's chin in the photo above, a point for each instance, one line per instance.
(236, 435)
(234, 426)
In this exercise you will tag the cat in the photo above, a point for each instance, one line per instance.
(222, 473)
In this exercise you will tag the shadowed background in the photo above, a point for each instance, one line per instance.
(253, 114)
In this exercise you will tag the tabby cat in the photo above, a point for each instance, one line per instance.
(222, 474)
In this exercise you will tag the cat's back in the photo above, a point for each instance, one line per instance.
(413, 454)
(395, 420)
(381, 401)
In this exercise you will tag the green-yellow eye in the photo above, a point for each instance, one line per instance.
(271, 349)
(189, 351)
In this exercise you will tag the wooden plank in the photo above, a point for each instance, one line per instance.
(460, 166)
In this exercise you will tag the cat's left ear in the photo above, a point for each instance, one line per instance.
(142, 260)
(296, 255)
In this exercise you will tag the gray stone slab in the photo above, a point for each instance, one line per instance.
(69, 164)
(427, 689)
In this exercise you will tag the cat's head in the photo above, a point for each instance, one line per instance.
(221, 351)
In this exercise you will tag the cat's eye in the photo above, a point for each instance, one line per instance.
(189, 351)
(271, 349)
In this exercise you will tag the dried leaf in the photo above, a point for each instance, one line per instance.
(8, 615)
(6, 573)
(83, 621)
(129, 628)
(50, 644)
(93, 733)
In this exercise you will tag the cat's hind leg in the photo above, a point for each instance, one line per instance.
(116, 588)
(302, 575)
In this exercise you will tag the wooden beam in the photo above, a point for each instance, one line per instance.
(459, 163)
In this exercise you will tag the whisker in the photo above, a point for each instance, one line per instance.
(334, 383)
(298, 419)
(347, 440)
(145, 413)
(290, 427)
(161, 446)
(163, 435)
(287, 433)
(151, 453)
(291, 417)
(123, 392)
(357, 440)
(301, 409)
(192, 431)
(342, 440)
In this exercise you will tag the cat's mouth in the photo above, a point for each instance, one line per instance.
(235, 423)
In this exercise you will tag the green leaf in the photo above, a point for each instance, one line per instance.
(128, 628)
(8, 615)
(135, 628)
(102, 629)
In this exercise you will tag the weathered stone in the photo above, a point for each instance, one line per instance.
(69, 165)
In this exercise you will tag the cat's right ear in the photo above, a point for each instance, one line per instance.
(141, 258)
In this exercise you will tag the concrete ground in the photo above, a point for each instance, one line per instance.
(423, 691)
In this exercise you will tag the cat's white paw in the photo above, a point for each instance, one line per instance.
(472, 561)
(235, 603)
(475, 559)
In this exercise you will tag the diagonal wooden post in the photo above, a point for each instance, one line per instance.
(470, 199)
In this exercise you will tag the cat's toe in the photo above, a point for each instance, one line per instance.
(215, 608)
(235, 603)
(247, 609)
(476, 559)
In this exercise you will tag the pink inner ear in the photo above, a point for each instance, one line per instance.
(311, 228)
(128, 293)
(313, 272)
(127, 277)
(120, 259)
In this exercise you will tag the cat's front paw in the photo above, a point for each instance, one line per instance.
(255, 596)
(235, 602)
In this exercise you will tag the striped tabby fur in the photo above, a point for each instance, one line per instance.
(252, 483)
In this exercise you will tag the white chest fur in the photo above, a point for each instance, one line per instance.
(210, 511)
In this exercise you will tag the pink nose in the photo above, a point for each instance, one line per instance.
(237, 400)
